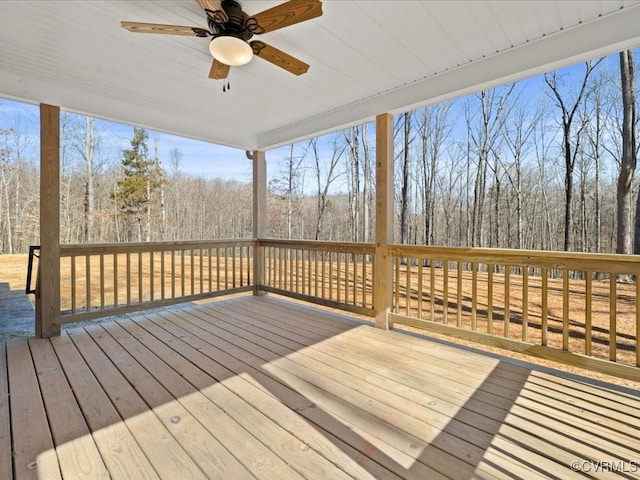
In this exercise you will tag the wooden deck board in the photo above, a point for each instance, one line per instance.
(168, 457)
(77, 451)
(198, 350)
(213, 417)
(423, 431)
(6, 464)
(33, 452)
(461, 434)
(264, 388)
(118, 447)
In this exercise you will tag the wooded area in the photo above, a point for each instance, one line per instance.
(546, 163)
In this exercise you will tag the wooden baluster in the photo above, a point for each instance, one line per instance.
(525, 304)
(445, 292)
(396, 289)
(408, 286)
(613, 329)
(128, 278)
(201, 271)
(162, 274)
(233, 263)
(474, 296)
(115, 279)
(432, 289)
(587, 313)
(87, 265)
(209, 256)
(101, 281)
(182, 273)
(73, 284)
(419, 291)
(490, 299)
(355, 279)
(151, 276)
(330, 275)
(545, 305)
(459, 296)
(140, 285)
(192, 271)
(217, 269)
(507, 300)
(173, 274)
(565, 310)
(637, 322)
(323, 274)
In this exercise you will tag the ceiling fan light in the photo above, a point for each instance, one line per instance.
(230, 50)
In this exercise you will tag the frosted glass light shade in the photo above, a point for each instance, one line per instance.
(231, 51)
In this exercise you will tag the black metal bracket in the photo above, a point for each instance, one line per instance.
(32, 255)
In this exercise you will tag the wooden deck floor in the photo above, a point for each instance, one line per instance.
(263, 388)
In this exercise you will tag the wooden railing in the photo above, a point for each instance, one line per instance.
(332, 274)
(109, 279)
(577, 308)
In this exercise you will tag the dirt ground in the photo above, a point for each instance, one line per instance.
(13, 269)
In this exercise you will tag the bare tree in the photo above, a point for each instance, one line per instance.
(287, 188)
(434, 129)
(352, 139)
(570, 139)
(324, 179)
(628, 160)
(518, 132)
(404, 195)
(485, 136)
(367, 192)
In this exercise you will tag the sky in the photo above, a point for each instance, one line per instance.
(198, 158)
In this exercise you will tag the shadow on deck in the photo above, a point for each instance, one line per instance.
(258, 387)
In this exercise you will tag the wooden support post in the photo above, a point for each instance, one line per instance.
(259, 216)
(48, 295)
(382, 273)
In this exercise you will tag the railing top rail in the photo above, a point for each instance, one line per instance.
(425, 250)
(110, 248)
(349, 247)
(606, 262)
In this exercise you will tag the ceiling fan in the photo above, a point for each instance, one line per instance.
(231, 29)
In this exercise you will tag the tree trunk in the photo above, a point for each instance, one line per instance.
(404, 199)
(628, 161)
(163, 208)
(89, 200)
(366, 192)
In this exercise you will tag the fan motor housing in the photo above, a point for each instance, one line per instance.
(236, 23)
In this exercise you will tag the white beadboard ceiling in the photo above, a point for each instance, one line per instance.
(366, 57)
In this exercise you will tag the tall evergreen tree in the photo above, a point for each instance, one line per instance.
(142, 178)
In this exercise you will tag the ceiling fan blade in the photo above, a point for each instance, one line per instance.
(219, 70)
(279, 58)
(138, 27)
(215, 7)
(283, 15)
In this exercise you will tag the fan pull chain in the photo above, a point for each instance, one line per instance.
(226, 86)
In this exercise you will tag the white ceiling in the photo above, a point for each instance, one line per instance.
(366, 57)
